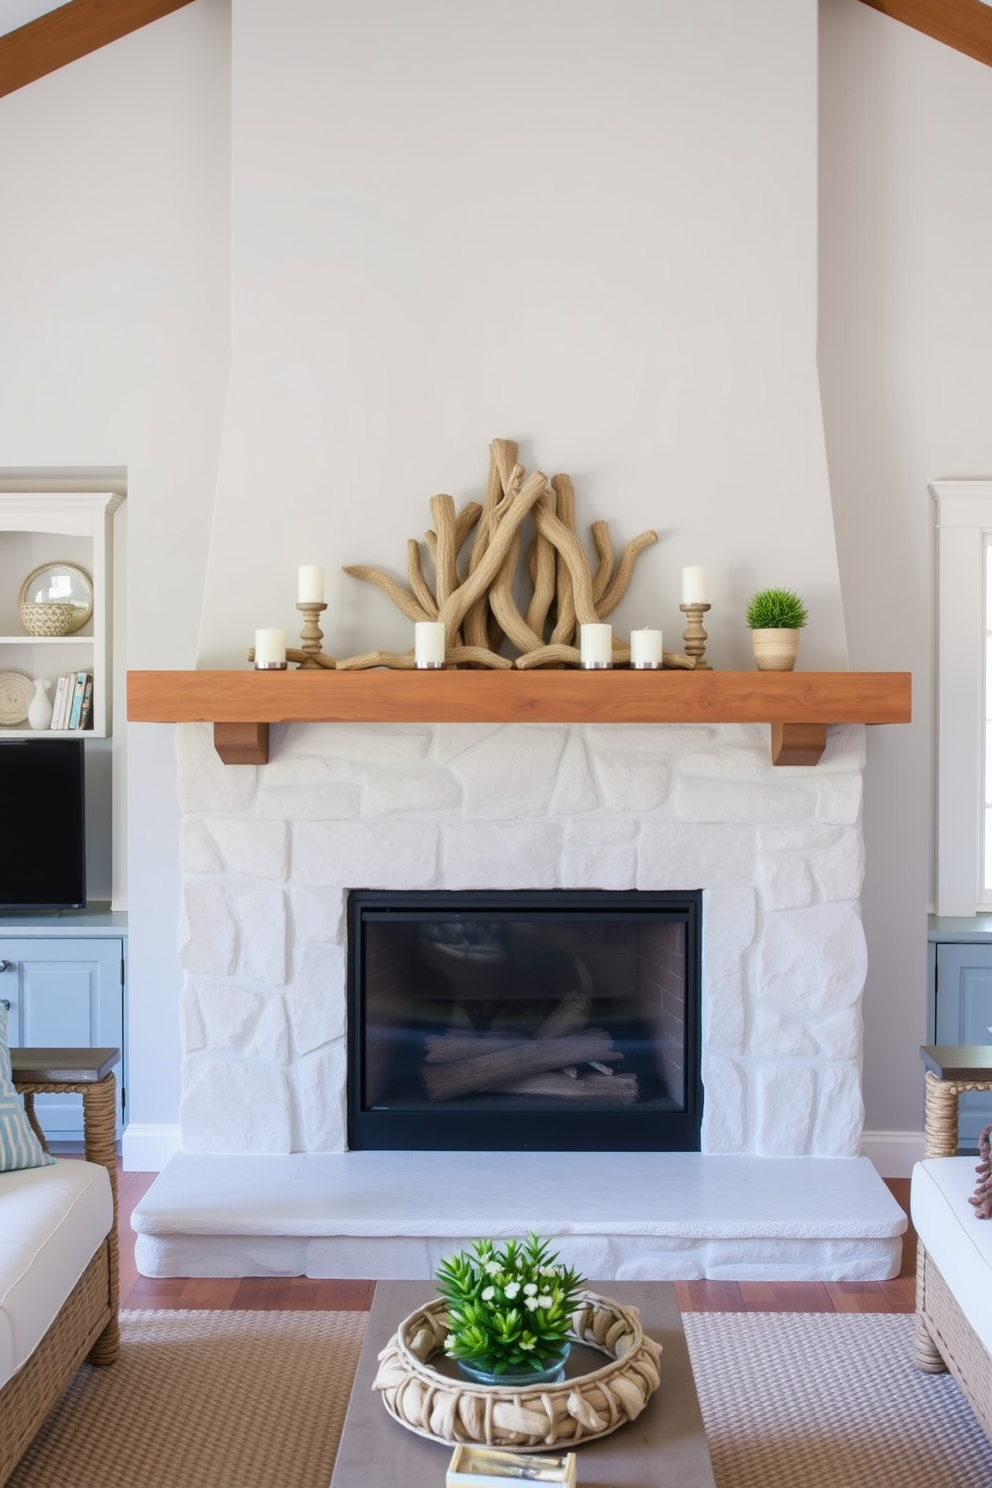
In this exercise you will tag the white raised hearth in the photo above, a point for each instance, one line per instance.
(266, 1186)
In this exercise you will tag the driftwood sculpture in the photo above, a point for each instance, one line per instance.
(474, 596)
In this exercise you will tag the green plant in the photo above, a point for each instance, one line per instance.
(510, 1305)
(775, 609)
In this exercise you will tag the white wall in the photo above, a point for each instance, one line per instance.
(114, 175)
(586, 226)
(905, 331)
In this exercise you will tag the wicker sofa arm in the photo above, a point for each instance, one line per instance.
(89, 1073)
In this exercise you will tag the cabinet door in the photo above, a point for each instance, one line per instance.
(964, 1016)
(64, 993)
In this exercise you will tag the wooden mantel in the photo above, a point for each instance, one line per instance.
(241, 705)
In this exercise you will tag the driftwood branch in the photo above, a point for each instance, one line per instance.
(478, 597)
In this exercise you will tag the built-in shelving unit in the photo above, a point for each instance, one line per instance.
(49, 527)
(799, 706)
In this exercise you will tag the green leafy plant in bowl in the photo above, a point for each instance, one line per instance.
(510, 1308)
(775, 609)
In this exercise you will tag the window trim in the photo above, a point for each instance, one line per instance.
(964, 520)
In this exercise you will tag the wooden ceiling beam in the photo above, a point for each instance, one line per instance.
(70, 32)
(965, 25)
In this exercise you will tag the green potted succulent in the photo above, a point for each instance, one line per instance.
(510, 1309)
(775, 617)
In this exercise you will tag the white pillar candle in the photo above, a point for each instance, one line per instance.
(694, 588)
(311, 583)
(428, 643)
(596, 645)
(645, 648)
(270, 649)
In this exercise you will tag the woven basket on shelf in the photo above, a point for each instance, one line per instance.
(47, 617)
(539, 1417)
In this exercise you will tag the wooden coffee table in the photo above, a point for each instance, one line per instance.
(665, 1446)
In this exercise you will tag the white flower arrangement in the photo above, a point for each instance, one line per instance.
(509, 1306)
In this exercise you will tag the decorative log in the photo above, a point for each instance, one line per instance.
(528, 1057)
(619, 1088)
(571, 1013)
(442, 1048)
(454, 609)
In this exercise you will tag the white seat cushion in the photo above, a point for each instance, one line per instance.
(52, 1221)
(960, 1244)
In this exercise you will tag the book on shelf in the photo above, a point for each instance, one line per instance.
(58, 703)
(61, 719)
(75, 707)
(86, 709)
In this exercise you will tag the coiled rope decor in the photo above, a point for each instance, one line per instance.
(537, 1417)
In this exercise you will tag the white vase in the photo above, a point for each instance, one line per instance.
(40, 706)
(775, 650)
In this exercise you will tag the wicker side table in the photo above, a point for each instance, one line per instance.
(951, 1069)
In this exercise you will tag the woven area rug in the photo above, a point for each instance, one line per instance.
(828, 1400)
(257, 1400)
(204, 1400)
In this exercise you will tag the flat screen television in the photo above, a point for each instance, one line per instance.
(43, 812)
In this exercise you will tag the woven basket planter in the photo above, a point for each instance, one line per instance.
(535, 1418)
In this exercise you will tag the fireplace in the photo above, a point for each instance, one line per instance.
(499, 1021)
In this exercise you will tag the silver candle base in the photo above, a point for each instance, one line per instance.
(429, 666)
(270, 666)
(646, 666)
(596, 666)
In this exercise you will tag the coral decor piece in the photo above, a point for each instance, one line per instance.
(982, 1198)
(474, 593)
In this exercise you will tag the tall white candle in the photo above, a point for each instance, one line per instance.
(645, 648)
(694, 586)
(270, 648)
(596, 645)
(428, 643)
(311, 583)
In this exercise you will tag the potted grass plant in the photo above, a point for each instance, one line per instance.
(775, 617)
(510, 1310)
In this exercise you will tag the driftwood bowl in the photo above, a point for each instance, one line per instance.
(535, 1418)
(47, 617)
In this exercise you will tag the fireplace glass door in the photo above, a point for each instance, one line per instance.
(552, 1021)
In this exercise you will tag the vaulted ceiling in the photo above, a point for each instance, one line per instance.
(40, 37)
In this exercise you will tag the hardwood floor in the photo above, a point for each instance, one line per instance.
(299, 1292)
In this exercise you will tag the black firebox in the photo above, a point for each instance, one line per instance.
(560, 1020)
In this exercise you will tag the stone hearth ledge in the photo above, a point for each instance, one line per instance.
(630, 1215)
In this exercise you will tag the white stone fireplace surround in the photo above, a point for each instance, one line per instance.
(268, 855)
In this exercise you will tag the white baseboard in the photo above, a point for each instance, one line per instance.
(147, 1149)
(893, 1153)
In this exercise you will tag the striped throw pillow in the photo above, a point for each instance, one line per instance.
(19, 1147)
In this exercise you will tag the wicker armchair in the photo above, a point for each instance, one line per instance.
(86, 1326)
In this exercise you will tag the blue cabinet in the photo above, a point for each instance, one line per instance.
(65, 990)
(961, 1004)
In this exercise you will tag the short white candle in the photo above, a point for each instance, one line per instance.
(645, 648)
(270, 648)
(596, 646)
(694, 588)
(428, 648)
(311, 583)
